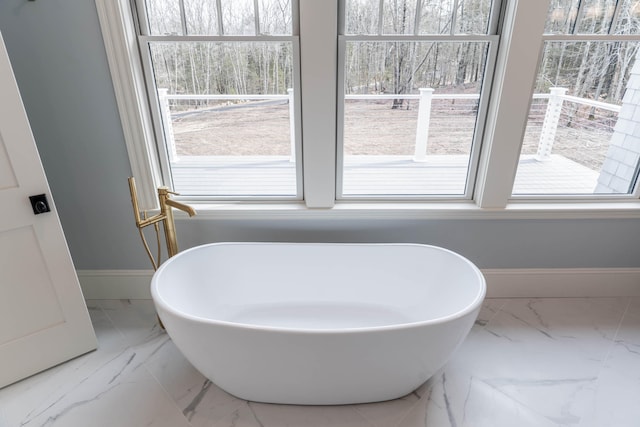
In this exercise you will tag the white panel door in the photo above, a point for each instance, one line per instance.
(43, 316)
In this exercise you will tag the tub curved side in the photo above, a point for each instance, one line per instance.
(289, 367)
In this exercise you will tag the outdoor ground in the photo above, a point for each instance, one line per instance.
(371, 128)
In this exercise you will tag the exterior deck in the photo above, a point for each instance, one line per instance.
(371, 175)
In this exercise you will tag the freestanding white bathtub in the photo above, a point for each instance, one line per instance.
(318, 324)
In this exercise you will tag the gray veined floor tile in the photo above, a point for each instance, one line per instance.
(201, 402)
(108, 387)
(135, 320)
(390, 413)
(456, 398)
(490, 308)
(617, 397)
(542, 355)
(526, 362)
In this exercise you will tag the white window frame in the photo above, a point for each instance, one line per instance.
(119, 34)
(514, 79)
(579, 37)
(491, 38)
(162, 150)
(510, 97)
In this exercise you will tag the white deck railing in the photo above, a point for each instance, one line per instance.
(556, 98)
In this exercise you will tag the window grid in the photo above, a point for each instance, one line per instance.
(161, 127)
(491, 53)
(497, 160)
(573, 32)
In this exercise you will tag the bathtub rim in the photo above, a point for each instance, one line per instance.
(472, 306)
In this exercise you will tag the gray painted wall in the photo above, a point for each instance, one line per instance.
(59, 60)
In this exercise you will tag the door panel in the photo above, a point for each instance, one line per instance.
(36, 304)
(43, 317)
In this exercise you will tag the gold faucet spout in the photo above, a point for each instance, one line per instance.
(186, 208)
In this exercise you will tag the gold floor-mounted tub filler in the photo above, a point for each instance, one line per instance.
(165, 215)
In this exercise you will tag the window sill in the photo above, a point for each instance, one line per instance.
(416, 211)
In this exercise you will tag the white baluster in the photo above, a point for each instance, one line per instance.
(550, 124)
(422, 130)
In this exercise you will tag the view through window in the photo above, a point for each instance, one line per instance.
(583, 131)
(413, 81)
(222, 73)
(413, 78)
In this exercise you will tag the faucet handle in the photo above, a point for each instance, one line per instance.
(165, 191)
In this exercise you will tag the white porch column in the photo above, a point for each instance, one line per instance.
(167, 125)
(422, 129)
(292, 126)
(550, 124)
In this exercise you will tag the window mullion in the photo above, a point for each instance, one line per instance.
(579, 15)
(511, 95)
(183, 18)
(416, 19)
(614, 17)
(454, 14)
(318, 53)
(140, 17)
(256, 17)
(340, 118)
(380, 17)
(157, 119)
(219, 16)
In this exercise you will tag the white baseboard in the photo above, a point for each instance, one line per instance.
(115, 284)
(562, 282)
(501, 283)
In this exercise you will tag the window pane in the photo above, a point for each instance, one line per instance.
(164, 17)
(596, 16)
(238, 17)
(399, 17)
(593, 17)
(409, 116)
(275, 17)
(472, 16)
(628, 19)
(417, 17)
(361, 16)
(227, 118)
(562, 16)
(583, 132)
(201, 17)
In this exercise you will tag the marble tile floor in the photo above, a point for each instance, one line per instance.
(526, 362)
